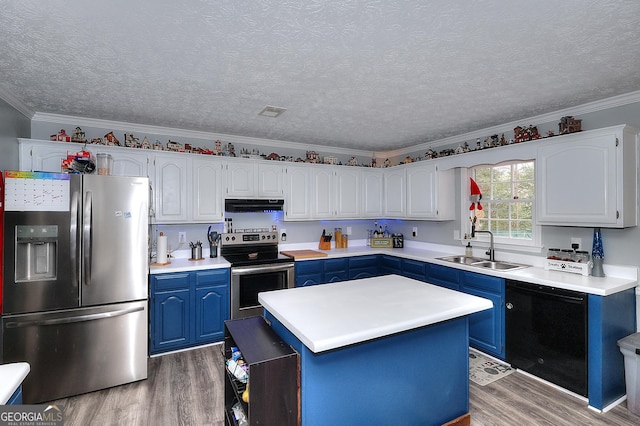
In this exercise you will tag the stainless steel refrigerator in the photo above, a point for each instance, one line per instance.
(75, 290)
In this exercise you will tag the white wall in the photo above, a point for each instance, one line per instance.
(12, 125)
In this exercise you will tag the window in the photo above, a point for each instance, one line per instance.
(508, 201)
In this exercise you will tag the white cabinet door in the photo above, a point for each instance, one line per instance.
(241, 179)
(588, 179)
(270, 180)
(322, 192)
(371, 193)
(207, 193)
(171, 188)
(395, 192)
(297, 201)
(430, 192)
(129, 163)
(347, 190)
(45, 157)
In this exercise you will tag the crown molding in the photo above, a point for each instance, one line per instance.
(587, 108)
(195, 134)
(9, 97)
(595, 106)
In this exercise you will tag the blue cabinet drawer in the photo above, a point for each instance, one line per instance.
(309, 267)
(444, 276)
(336, 265)
(363, 262)
(483, 282)
(172, 281)
(213, 276)
(391, 265)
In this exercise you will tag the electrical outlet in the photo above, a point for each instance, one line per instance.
(182, 237)
(575, 241)
(348, 230)
(415, 231)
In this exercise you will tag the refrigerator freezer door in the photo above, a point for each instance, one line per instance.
(114, 239)
(78, 350)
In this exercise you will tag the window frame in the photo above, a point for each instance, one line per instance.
(533, 245)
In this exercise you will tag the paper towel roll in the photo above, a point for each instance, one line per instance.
(161, 249)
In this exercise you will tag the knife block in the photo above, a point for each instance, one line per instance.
(324, 245)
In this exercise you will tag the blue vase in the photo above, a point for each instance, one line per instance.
(597, 254)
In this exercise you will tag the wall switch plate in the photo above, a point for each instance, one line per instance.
(182, 237)
(414, 232)
(348, 230)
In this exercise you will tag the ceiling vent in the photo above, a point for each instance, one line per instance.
(272, 111)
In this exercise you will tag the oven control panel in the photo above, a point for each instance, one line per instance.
(245, 238)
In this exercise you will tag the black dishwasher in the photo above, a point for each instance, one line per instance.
(546, 333)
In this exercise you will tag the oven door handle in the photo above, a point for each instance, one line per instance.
(249, 270)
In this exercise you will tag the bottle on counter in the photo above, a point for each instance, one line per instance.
(468, 250)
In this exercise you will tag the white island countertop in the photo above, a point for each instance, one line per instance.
(331, 316)
(11, 377)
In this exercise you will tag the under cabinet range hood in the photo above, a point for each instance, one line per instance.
(236, 205)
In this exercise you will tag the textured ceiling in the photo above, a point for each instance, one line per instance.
(363, 74)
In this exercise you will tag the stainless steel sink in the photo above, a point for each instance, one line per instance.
(502, 266)
(462, 259)
(483, 263)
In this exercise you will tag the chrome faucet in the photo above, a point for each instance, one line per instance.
(491, 252)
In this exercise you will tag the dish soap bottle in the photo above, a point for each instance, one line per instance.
(468, 250)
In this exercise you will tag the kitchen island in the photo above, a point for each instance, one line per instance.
(382, 350)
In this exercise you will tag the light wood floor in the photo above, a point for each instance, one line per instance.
(186, 388)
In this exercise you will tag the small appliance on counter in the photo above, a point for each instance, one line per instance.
(398, 240)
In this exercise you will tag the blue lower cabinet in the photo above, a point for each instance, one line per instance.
(390, 265)
(414, 269)
(188, 308)
(16, 398)
(486, 328)
(336, 270)
(444, 276)
(364, 267)
(309, 272)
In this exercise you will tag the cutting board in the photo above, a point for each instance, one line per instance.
(303, 254)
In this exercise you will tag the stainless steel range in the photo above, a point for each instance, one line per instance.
(256, 266)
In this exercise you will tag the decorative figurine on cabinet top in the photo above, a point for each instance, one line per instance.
(130, 141)
(61, 136)
(145, 143)
(569, 124)
(111, 139)
(78, 135)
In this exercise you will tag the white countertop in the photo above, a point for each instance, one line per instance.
(183, 264)
(11, 377)
(619, 278)
(334, 315)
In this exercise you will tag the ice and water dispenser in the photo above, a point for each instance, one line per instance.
(36, 252)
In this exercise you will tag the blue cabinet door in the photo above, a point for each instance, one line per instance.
(364, 267)
(486, 328)
(171, 312)
(212, 309)
(336, 270)
(444, 276)
(309, 272)
(414, 269)
(390, 265)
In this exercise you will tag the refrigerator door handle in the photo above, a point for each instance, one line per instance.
(70, 320)
(74, 237)
(87, 234)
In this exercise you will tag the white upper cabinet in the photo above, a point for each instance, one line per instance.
(45, 156)
(347, 192)
(430, 192)
(372, 192)
(129, 163)
(322, 192)
(207, 200)
(170, 189)
(297, 200)
(270, 180)
(250, 179)
(395, 191)
(588, 179)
